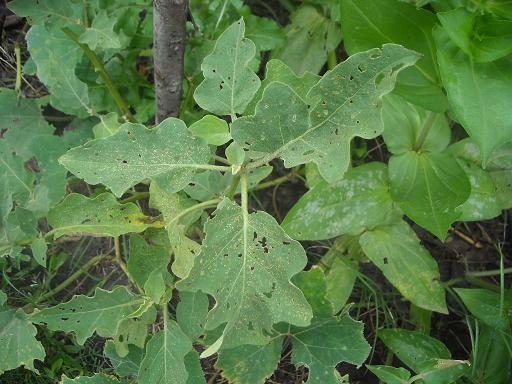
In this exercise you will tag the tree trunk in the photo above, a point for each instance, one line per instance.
(170, 17)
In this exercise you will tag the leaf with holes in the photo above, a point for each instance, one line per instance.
(345, 103)
(100, 216)
(229, 83)
(167, 153)
(246, 263)
(84, 315)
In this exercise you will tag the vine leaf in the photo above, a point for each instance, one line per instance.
(168, 153)
(246, 263)
(478, 94)
(101, 33)
(17, 337)
(101, 216)
(429, 187)
(345, 103)
(49, 49)
(359, 201)
(229, 83)
(397, 252)
(164, 359)
(83, 315)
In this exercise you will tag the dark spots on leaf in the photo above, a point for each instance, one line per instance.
(64, 318)
(254, 236)
(252, 268)
(239, 255)
(351, 78)
(286, 242)
(385, 260)
(125, 161)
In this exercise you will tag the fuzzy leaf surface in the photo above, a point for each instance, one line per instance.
(84, 315)
(100, 216)
(17, 337)
(397, 252)
(168, 153)
(229, 82)
(246, 264)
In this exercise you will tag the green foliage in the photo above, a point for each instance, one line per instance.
(179, 199)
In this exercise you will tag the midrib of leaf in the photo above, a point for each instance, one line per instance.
(168, 165)
(235, 64)
(429, 194)
(422, 71)
(104, 309)
(481, 104)
(276, 153)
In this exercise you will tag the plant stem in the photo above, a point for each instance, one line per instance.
(83, 269)
(98, 66)
(221, 159)
(425, 129)
(279, 180)
(205, 204)
(232, 188)
(17, 52)
(332, 61)
(135, 197)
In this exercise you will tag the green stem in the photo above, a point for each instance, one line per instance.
(493, 272)
(17, 52)
(135, 197)
(232, 188)
(83, 269)
(188, 99)
(332, 61)
(98, 66)
(205, 204)
(278, 181)
(425, 130)
(221, 159)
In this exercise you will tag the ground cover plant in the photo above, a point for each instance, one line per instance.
(328, 202)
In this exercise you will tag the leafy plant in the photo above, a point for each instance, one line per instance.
(435, 85)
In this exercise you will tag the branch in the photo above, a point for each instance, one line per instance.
(170, 17)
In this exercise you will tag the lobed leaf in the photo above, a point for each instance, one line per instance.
(246, 263)
(167, 153)
(84, 315)
(101, 216)
(229, 83)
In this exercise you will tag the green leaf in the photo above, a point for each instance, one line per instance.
(484, 37)
(96, 379)
(49, 50)
(145, 258)
(191, 313)
(155, 285)
(133, 331)
(101, 33)
(264, 32)
(39, 249)
(84, 315)
(164, 359)
(345, 103)
(16, 175)
(101, 215)
(127, 365)
(194, 369)
(229, 83)
(309, 39)
(235, 155)
(108, 125)
(173, 206)
(478, 94)
(239, 364)
(167, 153)
(429, 187)
(3, 298)
(19, 345)
(21, 121)
(411, 128)
(276, 70)
(485, 306)
(213, 130)
(397, 252)
(368, 24)
(428, 357)
(390, 375)
(360, 201)
(246, 263)
(53, 14)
